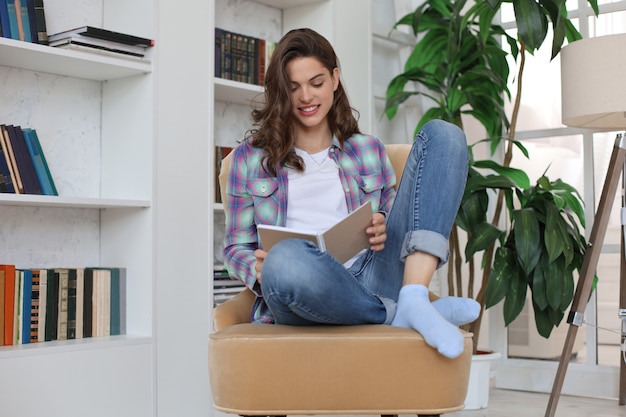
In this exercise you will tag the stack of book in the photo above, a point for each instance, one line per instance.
(23, 20)
(41, 305)
(23, 166)
(224, 287)
(92, 39)
(240, 57)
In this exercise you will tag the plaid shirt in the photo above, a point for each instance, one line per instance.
(254, 197)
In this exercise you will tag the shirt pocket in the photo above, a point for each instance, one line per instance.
(370, 189)
(265, 199)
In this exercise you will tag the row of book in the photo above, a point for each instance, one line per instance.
(23, 165)
(41, 305)
(23, 20)
(97, 40)
(241, 57)
(224, 287)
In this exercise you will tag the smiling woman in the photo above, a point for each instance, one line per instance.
(274, 180)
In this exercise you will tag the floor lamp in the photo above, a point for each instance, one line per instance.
(593, 88)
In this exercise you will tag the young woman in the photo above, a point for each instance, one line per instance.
(306, 165)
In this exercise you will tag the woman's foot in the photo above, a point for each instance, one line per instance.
(415, 311)
(458, 310)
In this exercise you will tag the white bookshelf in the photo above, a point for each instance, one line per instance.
(127, 142)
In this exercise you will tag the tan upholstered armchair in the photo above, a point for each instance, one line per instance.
(271, 370)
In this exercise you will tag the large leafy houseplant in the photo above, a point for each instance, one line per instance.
(460, 65)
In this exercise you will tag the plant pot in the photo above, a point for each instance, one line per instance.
(479, 380)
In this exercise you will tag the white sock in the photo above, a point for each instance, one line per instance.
(415, 311)
(457, 310)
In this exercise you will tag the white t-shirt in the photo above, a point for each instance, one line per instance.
(316, 198)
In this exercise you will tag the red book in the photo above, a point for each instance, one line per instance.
(9, 294)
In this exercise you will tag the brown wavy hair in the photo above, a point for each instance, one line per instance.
(273, 129)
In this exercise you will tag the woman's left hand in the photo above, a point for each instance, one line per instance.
(378, 232)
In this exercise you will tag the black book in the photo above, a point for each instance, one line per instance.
(104, 34)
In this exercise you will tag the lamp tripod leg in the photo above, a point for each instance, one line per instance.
(588, 269)
(622, 298)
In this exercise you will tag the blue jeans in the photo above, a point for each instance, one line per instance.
(304, 286)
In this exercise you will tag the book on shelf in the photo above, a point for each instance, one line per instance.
(6, 171)
(61, 303)
(34, 310)
(13, 20)
(4, 20)
(2, 285)
(25, 305)
(23, 20)
(41, 319)
(42, 171)
(240, 57)
(9, 302)
(11, 161)
(23, 24)
(23, 165)
(101, 40)
(224, 287)
(104, 34)
(40, 22)
(343, 240)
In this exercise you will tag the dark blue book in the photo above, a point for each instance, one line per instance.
(27, 279)
(32, 20)
(46, 183)
(4, 19)
(24, 163)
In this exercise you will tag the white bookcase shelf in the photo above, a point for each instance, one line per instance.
(69, 346)
(69, 202)
(90, 66)
(237, 92)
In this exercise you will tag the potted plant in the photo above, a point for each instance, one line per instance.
(459, 64)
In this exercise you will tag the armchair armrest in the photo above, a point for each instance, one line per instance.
(234, 311)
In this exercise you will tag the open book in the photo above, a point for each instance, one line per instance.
(343, 240)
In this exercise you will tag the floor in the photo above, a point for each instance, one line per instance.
(504, 403)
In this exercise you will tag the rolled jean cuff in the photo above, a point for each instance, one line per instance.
(426, 241)
(390, 308)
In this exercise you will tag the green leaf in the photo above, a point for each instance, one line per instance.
(532, 24)
(515, 299)
(489, 181)
(527, 238)
(555, 283)
(517, 175)
(483, 236)
(555, 236)
(542, 321)
(504, 267)
(539, 285)
(473, 210)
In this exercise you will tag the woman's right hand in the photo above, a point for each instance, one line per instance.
(260, 255)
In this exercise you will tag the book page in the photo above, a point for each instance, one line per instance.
(343, 240)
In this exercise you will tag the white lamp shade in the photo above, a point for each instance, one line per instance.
(593, 83)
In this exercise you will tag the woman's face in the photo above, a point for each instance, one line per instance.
(312, 92)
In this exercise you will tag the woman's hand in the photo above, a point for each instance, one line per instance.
(378, 232)
(260, 255)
